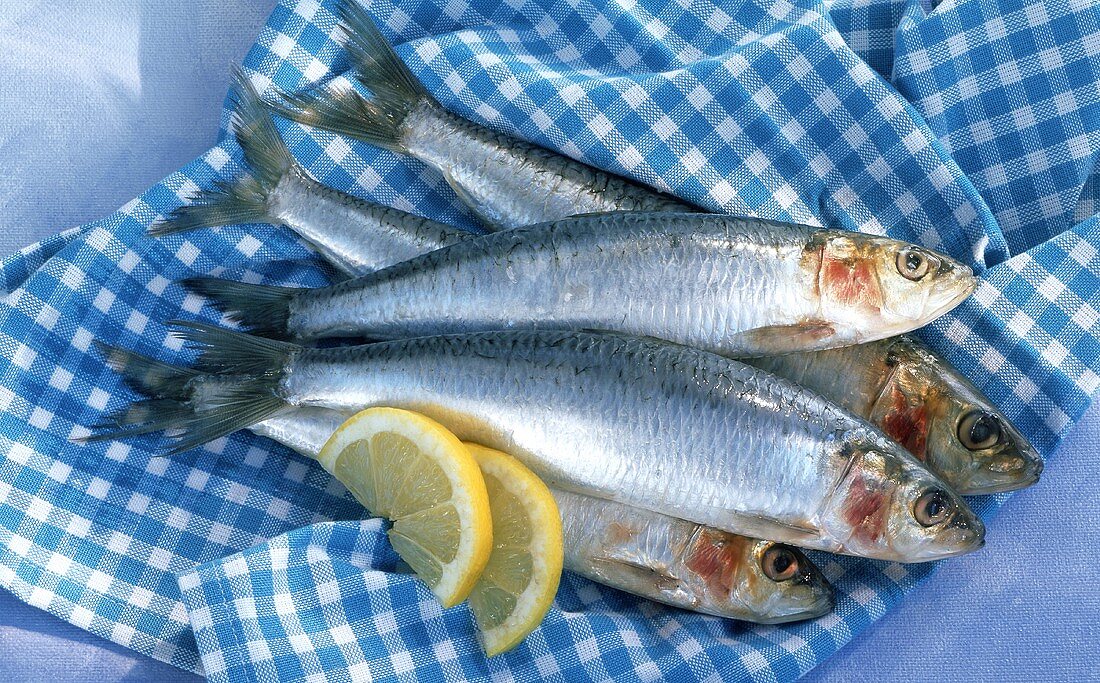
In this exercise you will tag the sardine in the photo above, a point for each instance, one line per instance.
(506, 181)
(924, 404)
(656, 425)
(689, 565)
(648, 554)
(735, 286)
(280, 191)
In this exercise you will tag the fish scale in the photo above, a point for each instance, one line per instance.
(594, 272)
(648, 423)
(336, 224)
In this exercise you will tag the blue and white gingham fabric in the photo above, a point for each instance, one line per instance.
(972, 127)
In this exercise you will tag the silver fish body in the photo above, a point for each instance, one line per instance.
(305, 430)
(357, 236)
(923, 403)
(360, 243)
(738, 287)
(645, 553)
(642, 422)
(690, 278)
(510, 183)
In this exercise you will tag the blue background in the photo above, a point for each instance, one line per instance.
(99, 103)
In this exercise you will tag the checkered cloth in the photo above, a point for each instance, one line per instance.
(972, 127)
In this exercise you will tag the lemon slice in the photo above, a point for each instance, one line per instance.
(521, 578)
(408, 468)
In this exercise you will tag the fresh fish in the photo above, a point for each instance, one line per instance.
(508, 182)
(642, 422)
(735, 286)
(689, 565)
(336, 224)
(902, 387)
(646, 553)
(885, 382)
(924, 404)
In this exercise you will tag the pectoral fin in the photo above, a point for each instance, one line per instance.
(764, 525)
(630, 575)
(778, 339)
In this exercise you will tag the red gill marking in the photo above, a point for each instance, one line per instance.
(864, 510)
(713, 556)
(907, 424)
(850, 281)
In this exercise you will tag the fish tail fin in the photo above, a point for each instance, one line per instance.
(263, 309)
(227, 203)
(340, 109)
(197, 406)
(264, 150)
(228, 352)
(138, 418)
(376, 63)
(245, 200)
(147, 375)
(228, 408)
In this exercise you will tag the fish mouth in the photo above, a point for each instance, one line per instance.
(806, 596)
(823, 604)
(1028, 474)
(955, 289)
(1036, 470)
(963, 536)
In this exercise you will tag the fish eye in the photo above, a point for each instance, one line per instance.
(978, 429)
(933, 508)
(779, 563)
(913, 264)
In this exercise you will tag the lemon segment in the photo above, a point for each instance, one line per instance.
(408, 468)
(521, 578)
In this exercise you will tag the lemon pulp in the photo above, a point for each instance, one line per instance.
(408, 468)
(521, 577)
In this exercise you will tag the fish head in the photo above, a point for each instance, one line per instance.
(945, 422)
(887, 506)
(867, 282)
(770, 582)
(940, 417)
(1001, 458)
